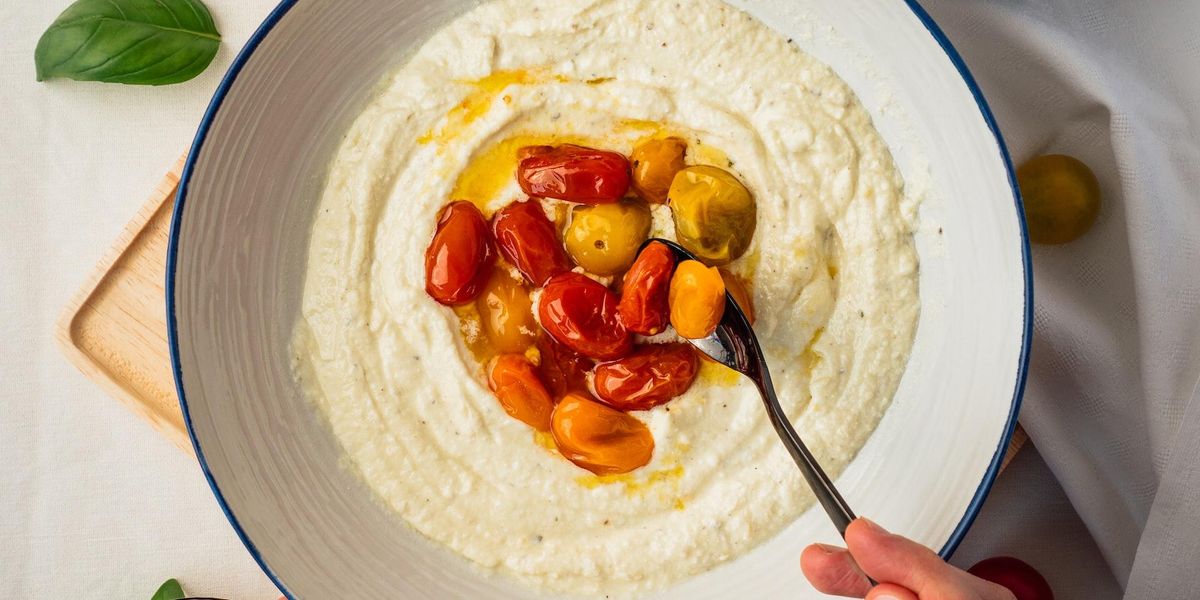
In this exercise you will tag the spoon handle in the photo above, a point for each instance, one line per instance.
(839, 512)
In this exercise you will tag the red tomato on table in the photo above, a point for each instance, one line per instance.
(1021, 579)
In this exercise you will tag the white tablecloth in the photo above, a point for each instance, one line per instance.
(95, 504)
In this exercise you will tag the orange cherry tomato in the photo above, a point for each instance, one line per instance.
(651, 376)
(520, 392)
(562, 369)
(582, 315)
(736, 287)
(506, 313)
(573, 173)
(600, 439)
(459, 260)
(643, 308)
(655, 163)
(697, 299)
(529, 240)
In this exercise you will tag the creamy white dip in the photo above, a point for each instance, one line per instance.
(833, 265)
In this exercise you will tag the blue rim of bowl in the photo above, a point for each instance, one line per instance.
(235, 69)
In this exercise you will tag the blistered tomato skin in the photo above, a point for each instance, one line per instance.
(529, 240)
(654, 165)
(506, 314)
(459, 260)
(697, 299)
(573, 173)
(521, 393)
(649, 377)
(604, 239)
(643, 308)
(715, 214)
(581, 314)
(600, 439)
(562, 369)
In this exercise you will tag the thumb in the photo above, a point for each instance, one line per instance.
(890, 591)
(889, 558)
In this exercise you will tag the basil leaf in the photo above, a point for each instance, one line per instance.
(169, 590)
(145, 42)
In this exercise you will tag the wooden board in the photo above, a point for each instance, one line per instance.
(115, 328)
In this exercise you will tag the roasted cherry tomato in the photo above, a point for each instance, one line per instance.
(529, 240)
(506, 313)
(517, 387)
(655, 163)
(573, 173)
(651, 376)
(604, 239)
(562, 369)
(697, 299)
(715, 215)
(736, 287)
(1021, 579)
(458, 262)
(643, 308)
(582, 315)
(598, 438)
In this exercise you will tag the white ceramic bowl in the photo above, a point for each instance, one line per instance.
(240, 235)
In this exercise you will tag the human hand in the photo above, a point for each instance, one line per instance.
(906, 569)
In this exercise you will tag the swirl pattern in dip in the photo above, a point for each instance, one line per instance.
(833, 265)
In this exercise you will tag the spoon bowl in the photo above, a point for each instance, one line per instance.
(734, 345)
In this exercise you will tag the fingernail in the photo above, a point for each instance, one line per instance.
(872, 526)
(827, 549)
(885, 596)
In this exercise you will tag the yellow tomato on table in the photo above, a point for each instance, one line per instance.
(1062, 198)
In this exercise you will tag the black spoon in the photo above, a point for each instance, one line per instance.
(734, 345)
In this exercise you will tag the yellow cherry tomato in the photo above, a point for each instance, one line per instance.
(1062, 198)
(696, 299)
(715, 215)
(604, 239)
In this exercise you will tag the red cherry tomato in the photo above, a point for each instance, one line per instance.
(573, 173)
(529, 241)
(458, 262)
(582, 315)
(1021, 579)
(651, 376)
(643, 308)
(562, 369)
(520, 392)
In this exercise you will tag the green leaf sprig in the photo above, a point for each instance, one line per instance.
(169, 590)
(142, 42)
